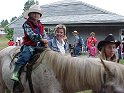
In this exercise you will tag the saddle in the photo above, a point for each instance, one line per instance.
(18, 87)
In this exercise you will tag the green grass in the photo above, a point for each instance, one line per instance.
(121, 61)
(3, 42)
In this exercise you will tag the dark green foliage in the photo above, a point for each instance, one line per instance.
(121, 61)
(9, 32)
(28, 4)
(4, 23)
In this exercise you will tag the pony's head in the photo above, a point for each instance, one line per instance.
(113, 78)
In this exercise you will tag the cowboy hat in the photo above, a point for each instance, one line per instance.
(34, 8)
(109, 39)
(75, 32)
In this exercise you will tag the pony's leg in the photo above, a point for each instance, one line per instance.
(7, 91)
(2, 88)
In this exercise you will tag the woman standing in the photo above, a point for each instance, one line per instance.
(91, 40)
(58, 43)
(77, 47)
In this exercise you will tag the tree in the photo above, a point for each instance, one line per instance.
(13, 18)
(9, 32)
(4, 23)
(28, 4)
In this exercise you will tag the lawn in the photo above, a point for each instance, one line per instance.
(121, 61)
(3, 42)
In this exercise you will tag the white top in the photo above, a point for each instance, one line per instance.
(18, 38)
(61, 46)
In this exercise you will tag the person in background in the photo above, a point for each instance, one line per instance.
(91, 40)
(76, 46)
(47, 36)
(85, 49)
(58, 43)
(33, 35)
(11, 43)
(107, 48)
(19, 40)
(83, 46)
(92, 51)
(119, 52)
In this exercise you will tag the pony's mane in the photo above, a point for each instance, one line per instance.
(76, 72)
(81, 73)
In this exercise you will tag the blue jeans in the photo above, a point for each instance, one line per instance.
(24, 56)
(76, 50)
(84, 48)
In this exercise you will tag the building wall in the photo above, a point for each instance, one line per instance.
(84, 31)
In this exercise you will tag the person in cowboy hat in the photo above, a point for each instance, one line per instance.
(77, 47)
(59, 43)
(33, 35)
(107, 48)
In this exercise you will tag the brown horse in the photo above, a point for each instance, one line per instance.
(57, 73)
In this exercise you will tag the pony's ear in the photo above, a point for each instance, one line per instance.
(108, 71)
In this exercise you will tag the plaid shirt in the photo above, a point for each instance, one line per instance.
(36, 37)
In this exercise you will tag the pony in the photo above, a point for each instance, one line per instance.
(56, 73)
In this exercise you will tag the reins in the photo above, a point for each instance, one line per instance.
(30, 68)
